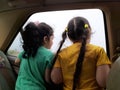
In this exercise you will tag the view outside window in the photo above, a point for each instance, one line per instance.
(58, 20)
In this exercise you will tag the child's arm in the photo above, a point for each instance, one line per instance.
(102, 74)
(47, 75)
(56, 75)
(17, 61)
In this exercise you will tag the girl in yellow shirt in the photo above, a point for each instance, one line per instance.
(81, 66)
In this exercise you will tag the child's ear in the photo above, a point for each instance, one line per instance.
(45, 39)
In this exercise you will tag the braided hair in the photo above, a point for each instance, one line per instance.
(78, 30)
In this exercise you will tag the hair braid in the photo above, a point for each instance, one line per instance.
(79, 64)
(64, 36)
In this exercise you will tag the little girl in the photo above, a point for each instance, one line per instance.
(35, 59)
(81, 66)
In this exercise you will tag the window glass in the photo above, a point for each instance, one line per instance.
(58, 20)
(16, 46)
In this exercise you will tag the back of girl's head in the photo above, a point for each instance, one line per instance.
(33, 36)
(31, 40)
(78, 28)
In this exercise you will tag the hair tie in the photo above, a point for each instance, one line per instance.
(86, 26)
(66, 29)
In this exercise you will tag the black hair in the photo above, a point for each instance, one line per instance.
(44, 30)
(33, 36)
(78, 30)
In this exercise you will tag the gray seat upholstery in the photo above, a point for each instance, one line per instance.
(113, 81)
(7, 77)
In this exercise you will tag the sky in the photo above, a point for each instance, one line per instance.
(58, 20)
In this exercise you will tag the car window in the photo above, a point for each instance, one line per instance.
(59, 20)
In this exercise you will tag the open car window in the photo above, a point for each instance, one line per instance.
(58, 20)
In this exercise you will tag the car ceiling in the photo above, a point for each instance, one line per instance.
(14, 12)
(12, 4)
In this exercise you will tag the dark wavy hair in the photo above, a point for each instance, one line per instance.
(77, 32)
(33, 36)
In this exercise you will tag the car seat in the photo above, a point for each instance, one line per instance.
(113, 81)
(7, 76)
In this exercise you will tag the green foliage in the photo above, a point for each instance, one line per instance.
(13, 52)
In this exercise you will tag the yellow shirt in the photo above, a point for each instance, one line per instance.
(94, 56)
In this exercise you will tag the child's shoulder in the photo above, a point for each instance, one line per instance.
(45, 51)
(96, 48)
(69, 48)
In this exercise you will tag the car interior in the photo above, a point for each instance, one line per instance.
(15, 13)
